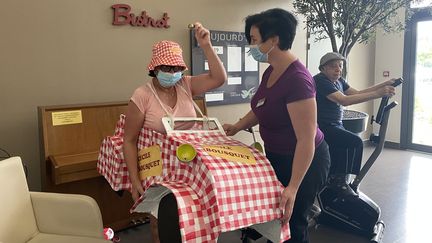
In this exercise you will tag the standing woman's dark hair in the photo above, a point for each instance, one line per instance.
(273, 22)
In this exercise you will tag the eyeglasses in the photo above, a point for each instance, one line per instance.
(165, 68)
(335, 65)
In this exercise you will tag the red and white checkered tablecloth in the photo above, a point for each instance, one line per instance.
(213, 195)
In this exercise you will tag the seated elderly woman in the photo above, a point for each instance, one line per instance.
(334, 92)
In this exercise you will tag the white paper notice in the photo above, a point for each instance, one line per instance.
(234, 80)
(234, 58)
(218, 49)
(250, 64)
(214, 97)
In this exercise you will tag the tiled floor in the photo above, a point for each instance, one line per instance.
(398, 182)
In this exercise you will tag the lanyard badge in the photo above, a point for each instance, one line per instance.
(260, 102)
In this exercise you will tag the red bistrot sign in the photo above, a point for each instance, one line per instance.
(123, 16)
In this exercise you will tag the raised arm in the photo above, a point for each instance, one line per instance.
(217, 75)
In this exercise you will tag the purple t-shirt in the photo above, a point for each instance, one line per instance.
(270, 107)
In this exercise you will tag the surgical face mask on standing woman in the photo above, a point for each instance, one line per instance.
(257, 54)
(167, 79)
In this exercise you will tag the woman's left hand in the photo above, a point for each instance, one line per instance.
(202, 35)
(287, 203)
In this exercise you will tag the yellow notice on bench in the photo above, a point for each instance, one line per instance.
(231, 153)
(150, 162)
(66, 117)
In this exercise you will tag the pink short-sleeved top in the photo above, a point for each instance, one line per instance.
(146, 101)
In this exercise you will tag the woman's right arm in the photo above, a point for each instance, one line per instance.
(133, 124)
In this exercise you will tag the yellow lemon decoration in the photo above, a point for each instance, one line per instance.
(258, 146)
(186, 152)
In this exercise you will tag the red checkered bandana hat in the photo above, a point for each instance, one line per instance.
(167, 53)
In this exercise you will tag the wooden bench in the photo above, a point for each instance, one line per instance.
(70, 137)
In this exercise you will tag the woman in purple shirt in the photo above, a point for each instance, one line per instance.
(285, 109)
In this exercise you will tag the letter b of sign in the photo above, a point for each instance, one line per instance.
(121, 14)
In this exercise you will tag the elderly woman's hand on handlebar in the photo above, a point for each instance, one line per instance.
(389, 82)
(386, 91)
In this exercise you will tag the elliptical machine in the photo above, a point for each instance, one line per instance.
(343, 205)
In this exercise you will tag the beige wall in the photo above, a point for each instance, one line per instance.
(67, 52)
(389, 57)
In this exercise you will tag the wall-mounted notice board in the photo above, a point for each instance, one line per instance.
(243, 71)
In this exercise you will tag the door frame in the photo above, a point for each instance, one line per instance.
(409, 64)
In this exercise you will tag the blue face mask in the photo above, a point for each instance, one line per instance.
(168, 79)
(257, 54)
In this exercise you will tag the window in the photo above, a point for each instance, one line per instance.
(421, 3)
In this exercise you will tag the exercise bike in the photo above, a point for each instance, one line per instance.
(342, 204)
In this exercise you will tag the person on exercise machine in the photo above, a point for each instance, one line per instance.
(333, 93)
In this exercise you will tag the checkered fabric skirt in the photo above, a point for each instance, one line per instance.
(213, 194)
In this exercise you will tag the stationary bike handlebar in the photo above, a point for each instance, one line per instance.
(382, 118)
(384, 102)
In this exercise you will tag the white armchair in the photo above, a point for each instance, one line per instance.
(44, 217)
